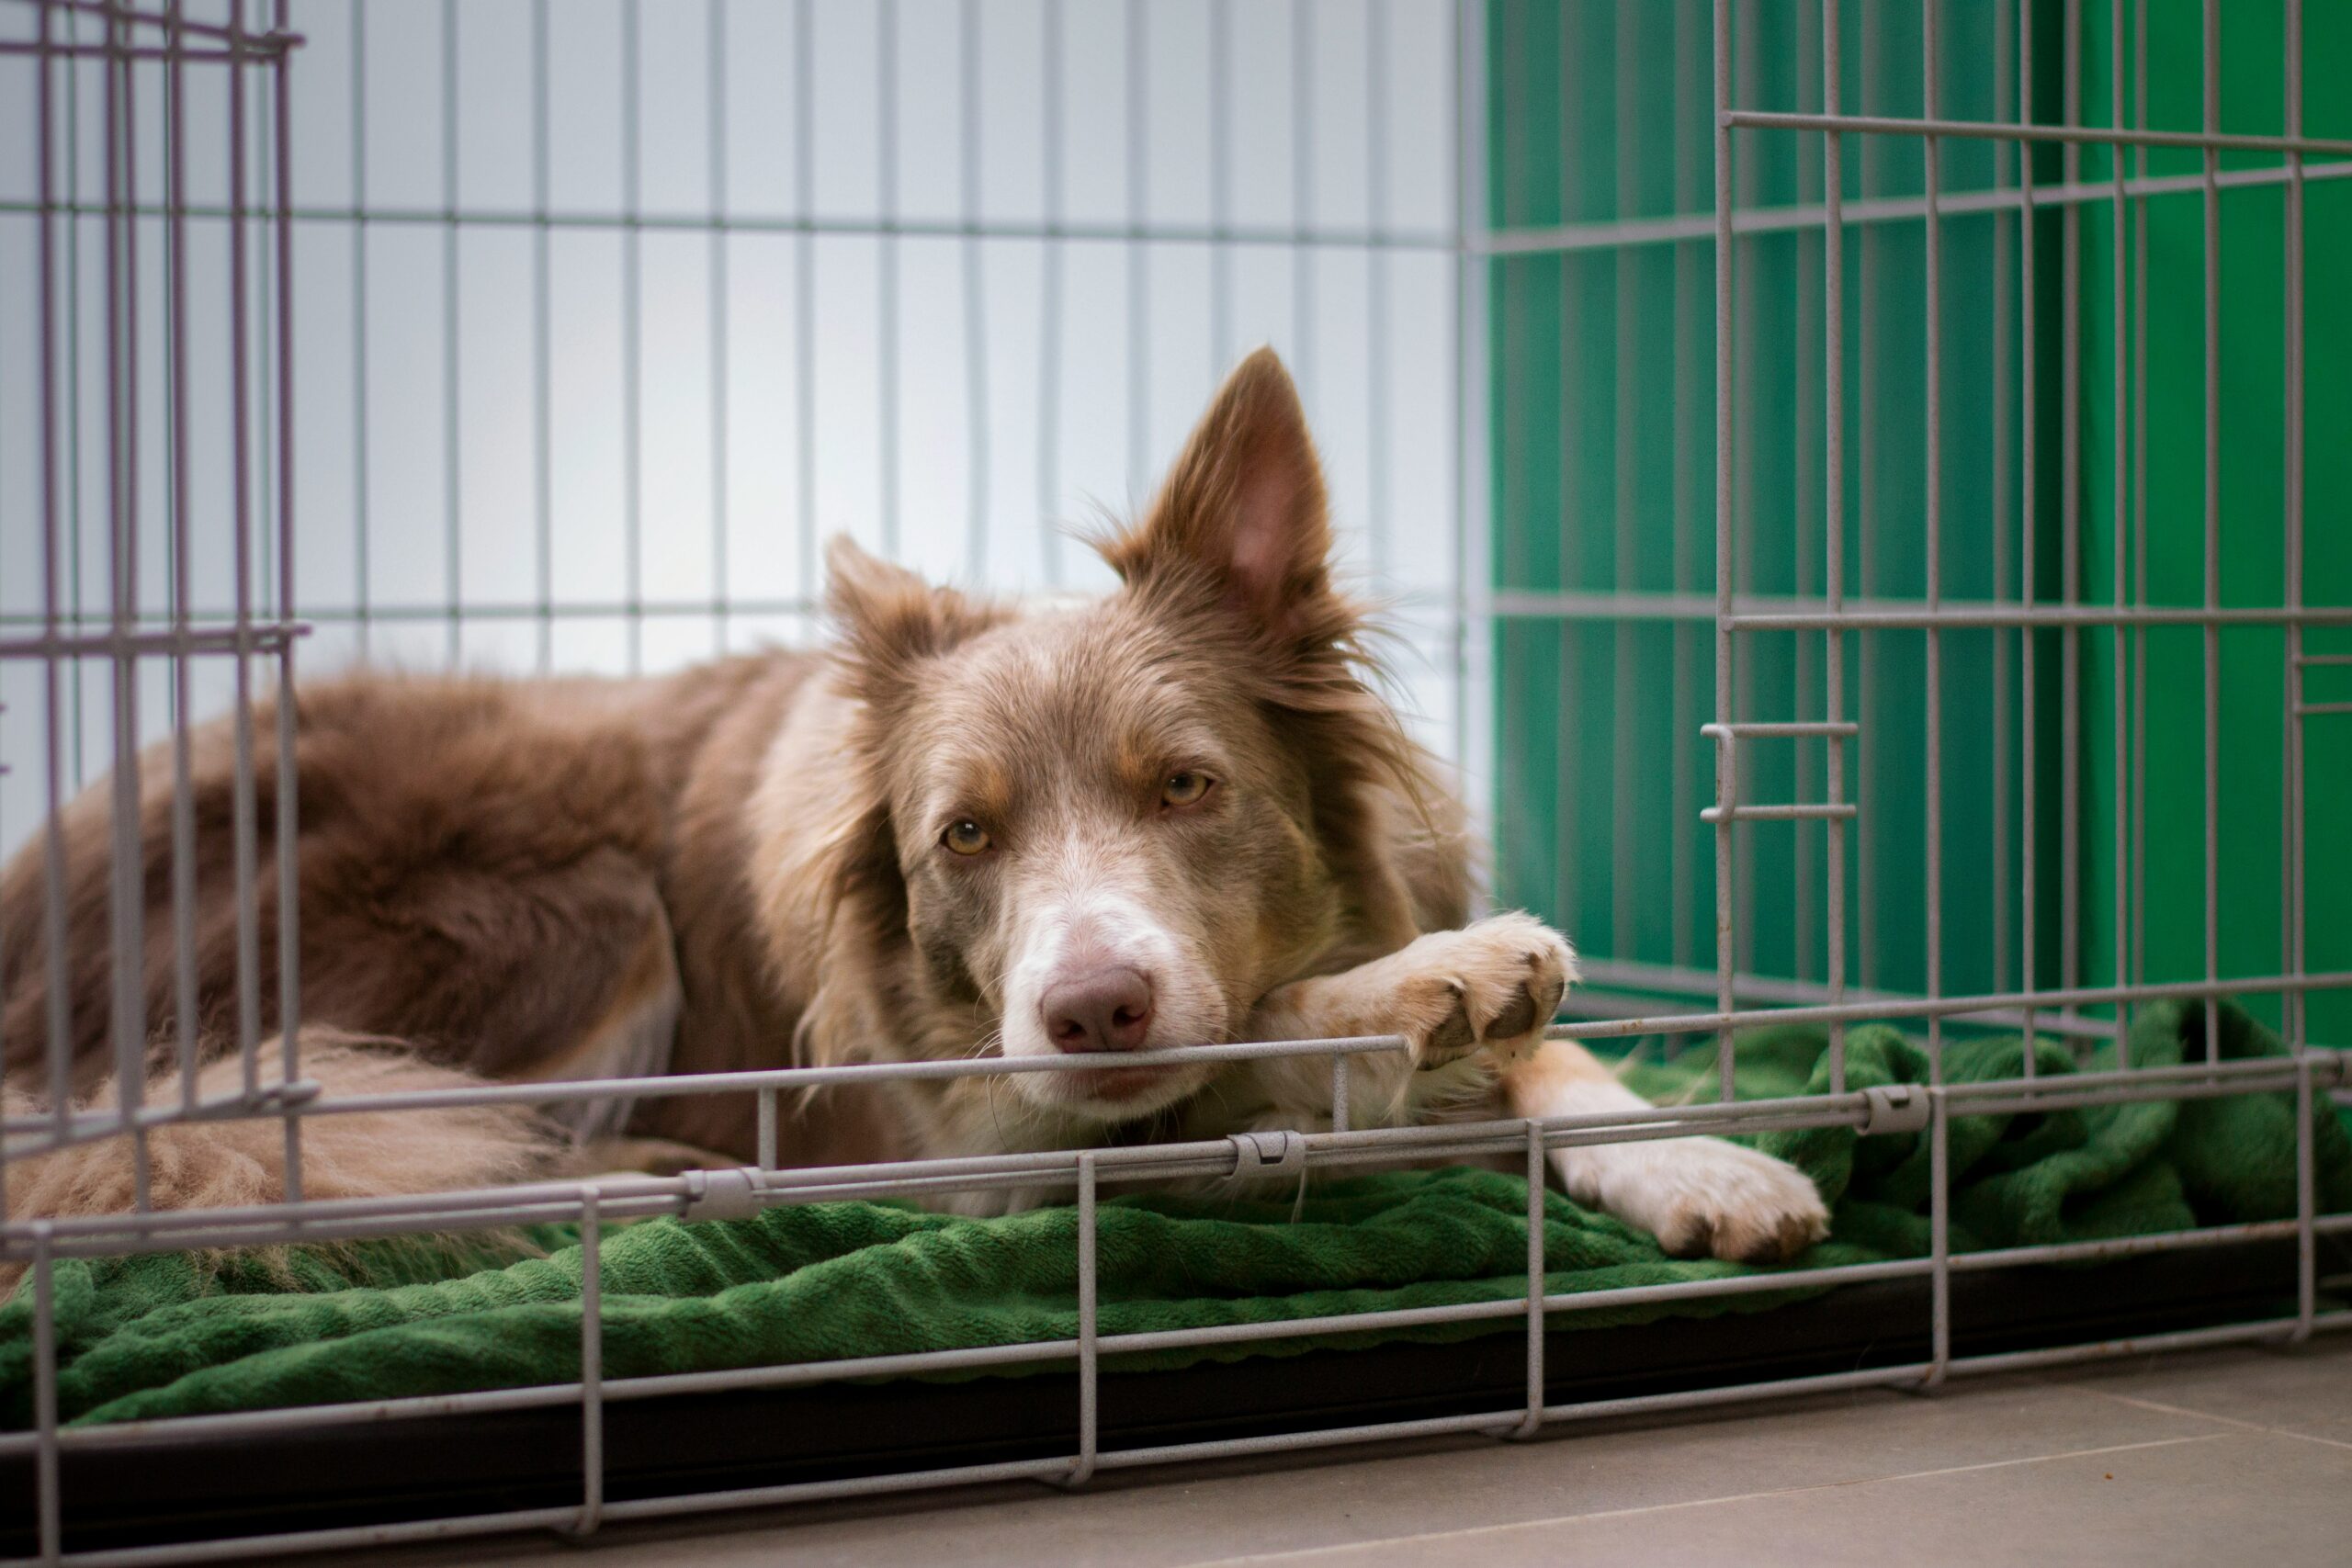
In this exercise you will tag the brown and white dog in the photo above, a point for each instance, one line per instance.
(1179, 814)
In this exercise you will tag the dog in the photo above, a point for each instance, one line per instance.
(1181, 812)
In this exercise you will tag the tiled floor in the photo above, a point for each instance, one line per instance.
(2236, 1456)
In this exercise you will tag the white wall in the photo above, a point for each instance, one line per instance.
(393, 489)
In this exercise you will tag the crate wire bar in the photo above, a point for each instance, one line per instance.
(255, 59)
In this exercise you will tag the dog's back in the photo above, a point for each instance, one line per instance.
(496, 879)
(437, 814)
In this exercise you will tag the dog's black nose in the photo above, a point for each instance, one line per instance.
(1104, 1010)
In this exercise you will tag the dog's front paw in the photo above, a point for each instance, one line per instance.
(1704, 1197)
(1492, 985)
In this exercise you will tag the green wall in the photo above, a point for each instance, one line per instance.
(1603, 484)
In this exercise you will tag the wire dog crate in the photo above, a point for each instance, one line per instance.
(598, 342)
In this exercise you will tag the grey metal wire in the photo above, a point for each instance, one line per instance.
(1747, 189)
(2038, 131)
(287, 816)
(45, 1431)
(1933, 481)
(1690, 75)
(1473, 638)
(1050, 291)
(126, 894)
(242, 808)
(2293, 823)
(1377, 521)
(1833, 495)
(2120, 215)
(1159, 231)
(1569, 724)
(2028, 382)
(715, 132)
(1302, 167)
(592, 1364)
(1726, 742)
(1809, 439)
(1090, 1362)
(2212, 638)
(1533, 1172)
(1867, 706)
(356, 88)
(632, 342)
(976, 342)
(804, 291)
(1625, 878)
(1138, 169)
(1766, 219)
(453, 505)
(2004, 225)
(2140, 497)
(183, 799)
(2070, 527)
(542, 345)
(885, 265)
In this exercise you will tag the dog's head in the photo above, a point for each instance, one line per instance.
(1118, 826)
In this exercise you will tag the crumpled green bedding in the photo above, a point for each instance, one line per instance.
(171, 1335)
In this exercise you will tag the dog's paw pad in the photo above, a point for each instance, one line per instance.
(1518, 1016)
(1696, 1239)
(1453, 1033)
(1704, 1197)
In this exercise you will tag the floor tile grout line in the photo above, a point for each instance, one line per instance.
(2162, 1408)
(2309, 1438)
(1298, 1553)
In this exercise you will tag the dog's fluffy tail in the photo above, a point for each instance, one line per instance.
(222, 1164)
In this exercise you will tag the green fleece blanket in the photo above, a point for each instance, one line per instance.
(170, 1336)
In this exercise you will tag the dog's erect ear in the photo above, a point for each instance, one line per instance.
(1241, 513)
(1240, 529)
(889, 619)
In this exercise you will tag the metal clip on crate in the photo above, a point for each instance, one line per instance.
(721, 1194)
(1268, 1154)
(1895, 1108)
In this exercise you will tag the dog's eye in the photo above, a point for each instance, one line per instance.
(965, 837)
(1185, 788)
